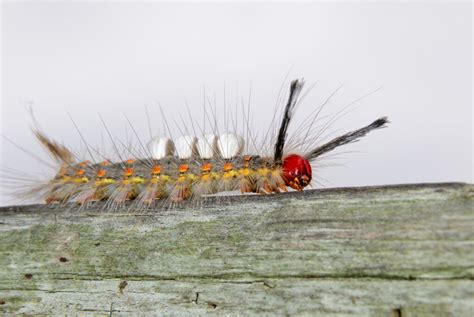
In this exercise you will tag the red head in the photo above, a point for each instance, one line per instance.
(296, 171)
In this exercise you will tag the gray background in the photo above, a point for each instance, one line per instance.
(86, 59)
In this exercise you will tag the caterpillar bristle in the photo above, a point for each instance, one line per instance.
(57, 151)
(169, 171)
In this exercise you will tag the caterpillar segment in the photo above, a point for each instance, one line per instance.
(68, 183)
(155, 187)
(191, 167)
(169, 178)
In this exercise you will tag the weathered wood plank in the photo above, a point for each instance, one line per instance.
(400, 250)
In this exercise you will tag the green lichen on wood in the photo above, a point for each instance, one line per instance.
(400, 249)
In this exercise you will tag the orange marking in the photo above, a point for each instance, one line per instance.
(228, 167)
(101, 173)
(130, 161)
(128, 172)
(105, 163)
(183, 168)
(85, 163)
(247, 159)
(156, 170)
(206, 167)
(80, 172)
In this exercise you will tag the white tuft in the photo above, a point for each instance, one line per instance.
(230, 145)
(161, 147)
(207, 146)
(185, 146)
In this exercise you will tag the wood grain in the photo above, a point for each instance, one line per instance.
(403, 250)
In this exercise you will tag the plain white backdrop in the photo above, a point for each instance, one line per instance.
(86, 59)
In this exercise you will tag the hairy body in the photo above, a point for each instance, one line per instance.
(189, 167)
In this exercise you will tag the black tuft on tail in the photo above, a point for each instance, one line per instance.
(347, 138)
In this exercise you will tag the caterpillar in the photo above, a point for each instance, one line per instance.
(189, 167)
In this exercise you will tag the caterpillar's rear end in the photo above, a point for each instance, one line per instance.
(189, 168)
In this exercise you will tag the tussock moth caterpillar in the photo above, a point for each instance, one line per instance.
(172, 170)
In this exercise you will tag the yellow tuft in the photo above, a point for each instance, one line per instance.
(263, 171)
(230, 174)
(244, 172)
(137, 180)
